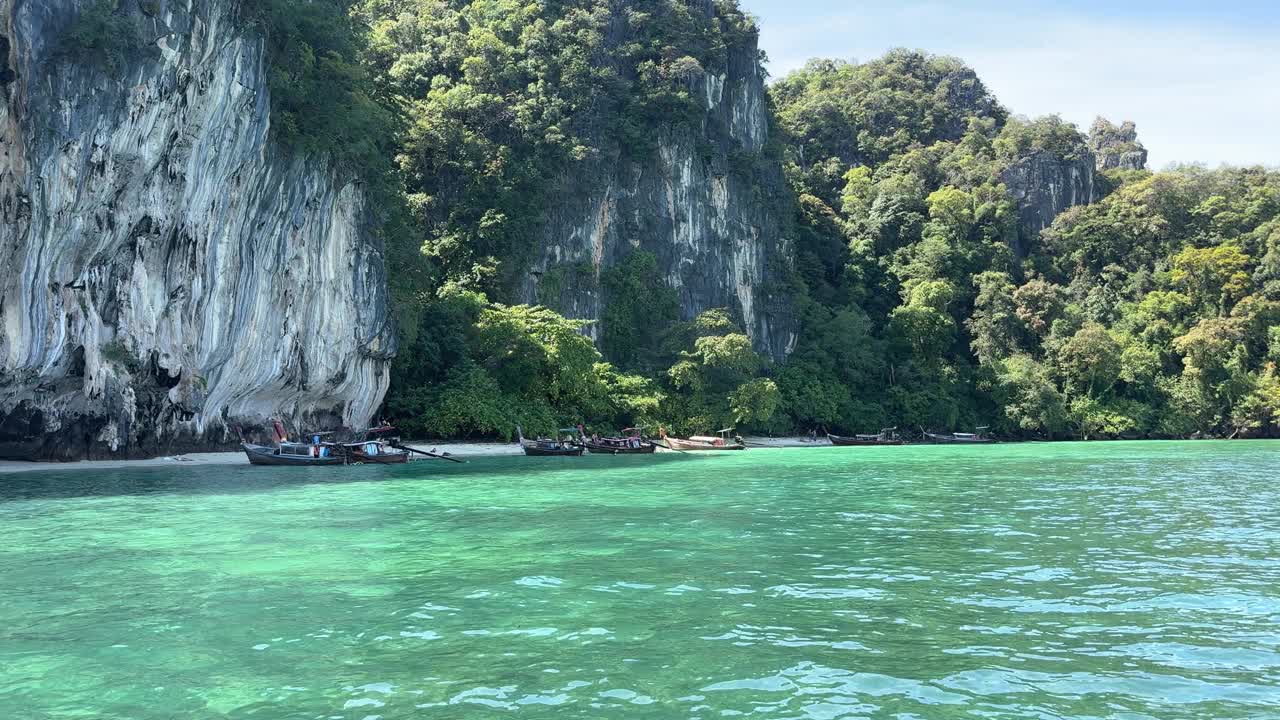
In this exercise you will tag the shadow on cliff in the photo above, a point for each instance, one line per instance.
(190, 479)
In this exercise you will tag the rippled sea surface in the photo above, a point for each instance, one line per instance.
(1137, 580)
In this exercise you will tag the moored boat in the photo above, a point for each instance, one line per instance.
(297, 454)
(631, 443)
(887, 436)
(703, 442)
(544, 447)
(978, 437)
(378, 446)
(375, 452)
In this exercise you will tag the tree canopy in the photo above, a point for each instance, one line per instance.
(1154, 311)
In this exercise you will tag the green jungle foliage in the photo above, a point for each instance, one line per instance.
(102, 33)
(640, 308)
(322, 95)
(485, 368)
(505, 98)
(1153, 312)
(503, 102)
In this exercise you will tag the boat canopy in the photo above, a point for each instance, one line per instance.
(304, 450)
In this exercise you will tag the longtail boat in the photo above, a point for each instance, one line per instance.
(549, 448)
(887, 436)
(376, 453)
(302, 454)
(631, 443)
(378, 446)
(974, 438)
(298, 454)
(703, 442)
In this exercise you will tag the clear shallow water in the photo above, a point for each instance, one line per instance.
(1136, 580)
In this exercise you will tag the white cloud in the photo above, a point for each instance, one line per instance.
(1198, 94)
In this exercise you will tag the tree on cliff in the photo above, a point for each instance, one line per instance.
(1147, 313)
(921, 296)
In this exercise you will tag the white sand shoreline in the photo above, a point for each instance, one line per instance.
(457, 449)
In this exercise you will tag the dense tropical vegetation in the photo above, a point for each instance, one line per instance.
(502, 102)
(922, 302)
(1150, 313)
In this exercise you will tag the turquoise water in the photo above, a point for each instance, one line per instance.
(1134, 580)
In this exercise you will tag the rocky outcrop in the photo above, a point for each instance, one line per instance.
(702, 201)
(1044, 184)
(1116, 147)
(173, 277)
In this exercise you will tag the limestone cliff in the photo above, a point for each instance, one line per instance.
(1117, 147)
(172, 276)
(1044, 184)
(702, 202)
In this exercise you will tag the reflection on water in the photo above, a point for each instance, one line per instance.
(1103, 580)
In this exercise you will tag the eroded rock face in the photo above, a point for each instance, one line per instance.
(1117, 147)
(1043, 185)
(172, 277)
(701, 202)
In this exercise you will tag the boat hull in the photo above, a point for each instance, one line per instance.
(952, 440)
(396, 458)
(855, 442)
(262, 455)
(644, 449)
(697, 446)
(548, 447)
(384, 453)
(553, 452)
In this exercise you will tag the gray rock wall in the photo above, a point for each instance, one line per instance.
(1126, 160)
(171, 276)
(1043, 185)
(700, 202)
(1117, 146)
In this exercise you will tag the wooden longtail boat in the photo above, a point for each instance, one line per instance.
(376, 453)
(379, 446)
(631, 443)
(303, 454)
(974, 438)
(298, 454)
(888, 436)
(549, 448)
(703, 442)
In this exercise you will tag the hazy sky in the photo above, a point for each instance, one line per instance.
(1201, 79)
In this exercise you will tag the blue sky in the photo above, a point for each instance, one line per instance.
(1201, 79)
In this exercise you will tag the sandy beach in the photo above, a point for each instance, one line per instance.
(456, 449)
